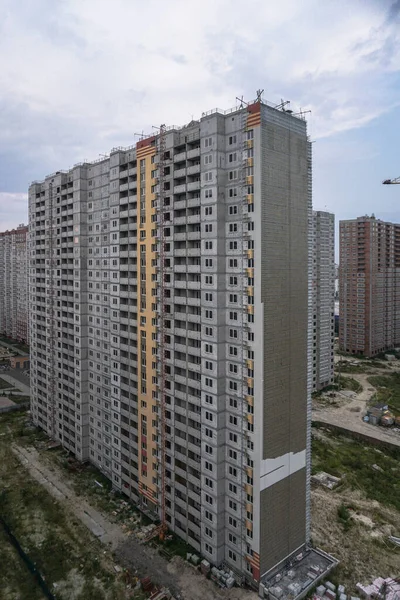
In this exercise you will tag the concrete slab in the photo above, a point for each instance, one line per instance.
(6, 402)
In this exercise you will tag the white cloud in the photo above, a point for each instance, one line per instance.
(78, 77)
(13, 210)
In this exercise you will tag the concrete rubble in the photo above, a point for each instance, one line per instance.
(381, 589)
(325, 479)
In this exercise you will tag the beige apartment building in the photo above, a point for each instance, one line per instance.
(170, 330)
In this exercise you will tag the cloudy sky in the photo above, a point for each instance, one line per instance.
(78, 77)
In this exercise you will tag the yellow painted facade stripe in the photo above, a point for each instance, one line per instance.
(146, 402)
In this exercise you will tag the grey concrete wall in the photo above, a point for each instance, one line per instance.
(284, 292)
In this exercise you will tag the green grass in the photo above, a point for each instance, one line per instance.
(53, 538)
(15, 344)
(5, 385)
(349, 383)
(19, 398)
(387, 390)
(363, 367)
(342, 456)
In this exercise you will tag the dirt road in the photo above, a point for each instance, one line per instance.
(181, 578)
(348, 414)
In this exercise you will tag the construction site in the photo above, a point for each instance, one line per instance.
(107, 548)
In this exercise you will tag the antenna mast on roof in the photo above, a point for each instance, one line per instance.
(242, 102)
(259, 94)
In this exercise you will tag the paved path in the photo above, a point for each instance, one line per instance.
(184, 580)
(101, 527)
(25, 389)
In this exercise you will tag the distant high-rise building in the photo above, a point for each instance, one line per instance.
(369, 286)
(14, 283)
(170, 340)
(323, 289)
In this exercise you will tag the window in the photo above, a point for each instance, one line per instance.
(232, 555)
(209, 365)
(233, 420)
(233, 368)
(232, 175)
(233, 263)
(208, 262)
(233, 245)
(209, 331)
(208, 348)
(232, 157)
(208, 209)
(208, 532)
(232, 140)
(209, 482)
(250, 134)
(233, 210)
(234, 404)
(208, 159)
(233, 333)
(233, 280)
(208, 382)
(233, 351)
(209, 279)
(208, 176)
(208, 142)
(208, 194)
(209, 515)
(208, 245)
(232, 538)
(208, 227)
(209, 314)
(233, 227)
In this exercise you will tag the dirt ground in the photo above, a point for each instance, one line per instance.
(182, 579)
(362, 547)
(347, 412)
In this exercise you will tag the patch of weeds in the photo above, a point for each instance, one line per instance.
(344, 516)
(349, 383)
(354, 460)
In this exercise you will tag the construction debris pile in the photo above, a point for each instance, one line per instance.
(381, 589)
(325, 479)
(329, 591)
(381, 415)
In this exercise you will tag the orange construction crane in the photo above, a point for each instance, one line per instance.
(391, 181)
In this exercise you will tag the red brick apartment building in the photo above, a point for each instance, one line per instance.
(369, 286)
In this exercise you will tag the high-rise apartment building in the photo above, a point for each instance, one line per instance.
(323, 293)
(14, 283)
(369, 286)
(170, 297)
